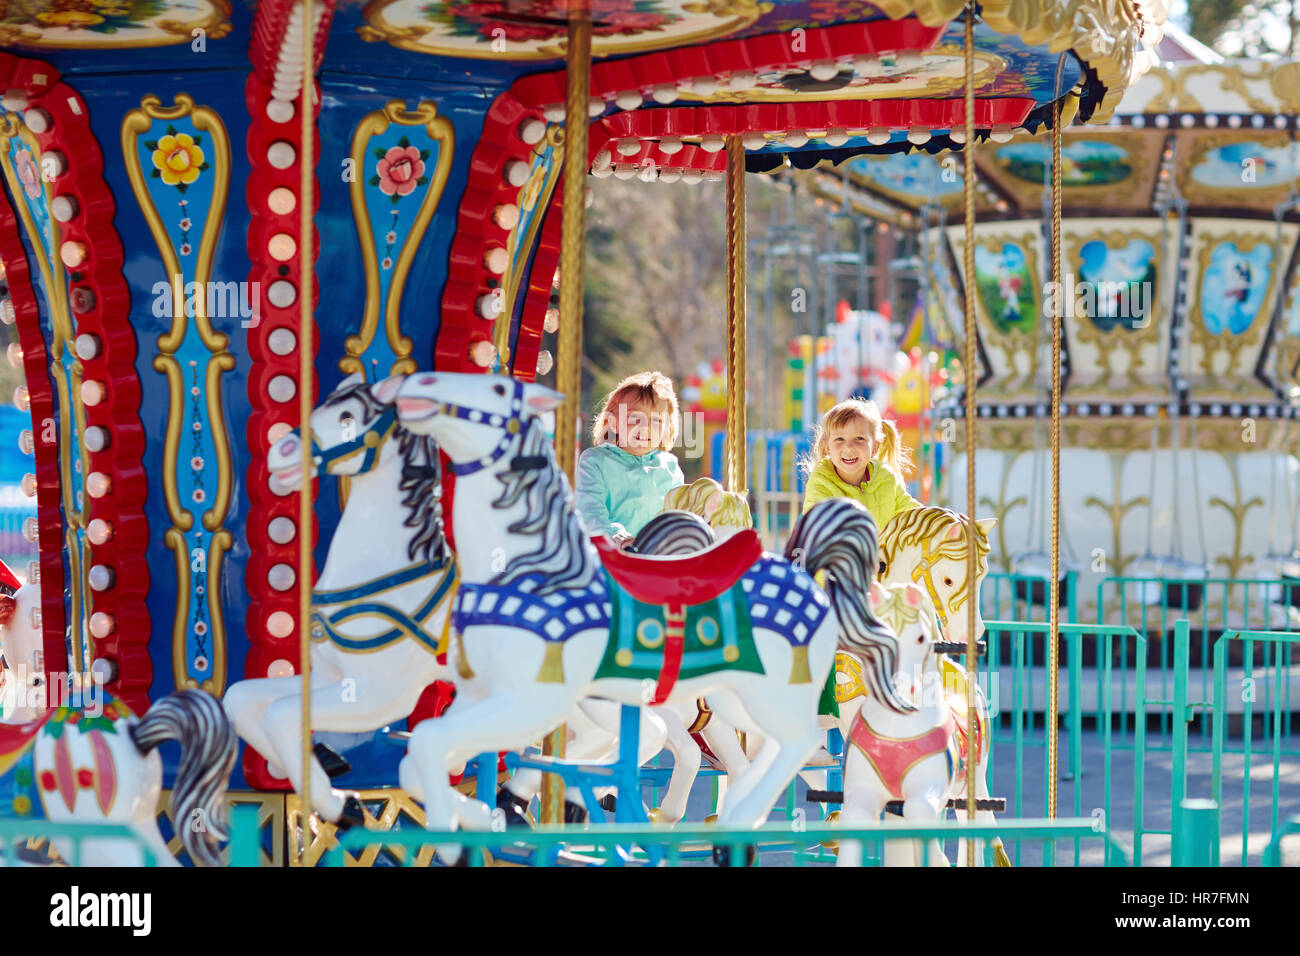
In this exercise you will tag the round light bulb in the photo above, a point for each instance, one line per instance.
(87, 346)
(53, 164)
(104, 669)
(22, 398)
(277, 431)
(837, 137)
(496, 260)
(37, 120)
(281, 294)
(96, 438)
(28, 485)
(34, 616)
(670, 174)
(712, 142)
(83, 300)
(281, 530)
(98, 531)
(628, 99)
(664, 93)
(32, 530)
(27, 441)
(482, 354)
(918, 135)
(282, 201)
(101, 577)
(73, 254)
(545, 361)
(282, 341)
(553, 112)
(279, 111)
(282, 247)
(33, 572)
(102, 624)
(628, 146)
(280, 624)
(551, 321)
(532, 130)
(281, 155)
(506, 216)
(516, 173)
(7, 311)
(744, 80)
(878, 135)
(281, 577)
(753, 141)
(98, 484)
(14, 353)
(64, 208)
(281, 388)
(279, 668)
(823, 70)
(92, 392)
(488, 306)
(704, 85)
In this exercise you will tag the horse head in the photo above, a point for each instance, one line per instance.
(348, 432)
(927, 546)
(476, 419)
(22, 647)
(908, 611)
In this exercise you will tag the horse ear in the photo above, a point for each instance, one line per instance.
(540, 399)
(954, 532)
(712, 504)
(913, 596)
(878, 594)
(385, 391)
(986, 524)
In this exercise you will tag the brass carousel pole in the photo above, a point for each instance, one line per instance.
(968, 371)
(305, 353)
(1053, 650)
(568, 360)
(737, 472)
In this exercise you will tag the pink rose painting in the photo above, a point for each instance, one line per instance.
(400, 169)
(28, 174)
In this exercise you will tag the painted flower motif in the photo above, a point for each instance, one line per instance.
(196, 463)
(400, 171)
(69, 18)
(85, 778)
(391, 237)
(110, 712)
(194, 390)
(185, 248)
(185, 224)
(200, 628)
(197, 426)
(387, 263)
(28, 174)
(199, 496)
(178, 159)
(22, 805)
(73, 716)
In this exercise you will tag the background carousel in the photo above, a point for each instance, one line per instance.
(1180, 339)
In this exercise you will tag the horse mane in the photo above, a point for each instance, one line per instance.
(910, 528)
(564, 557)
(421, 482)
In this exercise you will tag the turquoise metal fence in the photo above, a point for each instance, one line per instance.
(14, 832)
(1274, 714)
(618, 845)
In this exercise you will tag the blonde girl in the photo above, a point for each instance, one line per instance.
(623, 477)
(859, 455)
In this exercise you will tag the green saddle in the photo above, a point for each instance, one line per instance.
(718, 635)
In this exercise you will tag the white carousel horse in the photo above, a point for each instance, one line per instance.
(917, 757)
(537, 632)
(94, 761)
(380, 606)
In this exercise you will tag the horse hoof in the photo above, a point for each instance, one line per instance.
(609, 803)
(514, 807)
(353, 815)
(574, 813)
(722, 856)
(331, 761)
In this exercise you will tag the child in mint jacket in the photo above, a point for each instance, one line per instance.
(623, 477)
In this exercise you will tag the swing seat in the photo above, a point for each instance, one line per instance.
(677, 580)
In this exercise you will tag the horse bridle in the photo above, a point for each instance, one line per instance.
(511, 424)
(367, 443)
(922, 574)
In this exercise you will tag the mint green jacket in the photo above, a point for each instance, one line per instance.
(618, 491)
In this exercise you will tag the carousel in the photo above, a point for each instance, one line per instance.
(297, 290)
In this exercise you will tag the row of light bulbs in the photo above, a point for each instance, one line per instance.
(739, 81)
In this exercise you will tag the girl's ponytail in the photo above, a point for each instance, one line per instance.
(893, 454)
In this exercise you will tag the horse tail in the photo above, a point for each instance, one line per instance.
(196, 720)
(838, 536)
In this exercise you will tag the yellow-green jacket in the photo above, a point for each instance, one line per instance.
(883, 494)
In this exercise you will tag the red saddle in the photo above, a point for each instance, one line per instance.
(681, 579)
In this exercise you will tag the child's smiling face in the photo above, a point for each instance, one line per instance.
(851, 448)
(639, 428)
